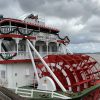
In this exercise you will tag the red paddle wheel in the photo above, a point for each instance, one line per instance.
(95, 95)
(76, 72)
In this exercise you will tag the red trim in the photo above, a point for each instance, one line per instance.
(14, 61)
(17, 61)
(60, 41)
(16, 36)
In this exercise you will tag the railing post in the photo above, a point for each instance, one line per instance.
(47, 47)
(32, 93)
(16, 90)
(34, 46)
(10, 25)
(17, 42)
(52, 94)
(0, 44)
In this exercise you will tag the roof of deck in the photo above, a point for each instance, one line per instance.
(22, 23)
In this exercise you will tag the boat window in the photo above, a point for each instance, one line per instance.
(40, 46)
(22, 45)
(44, 48)
(54, 48)
(3, 74)
(37, 48)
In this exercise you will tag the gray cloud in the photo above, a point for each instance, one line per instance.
(85, 38)
(4, 4)
(10, 8)
(59, 8)
(62, 8)
(31, 5)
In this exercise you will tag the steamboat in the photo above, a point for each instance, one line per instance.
(36, 63)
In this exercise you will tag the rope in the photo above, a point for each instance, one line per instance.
(66, 37)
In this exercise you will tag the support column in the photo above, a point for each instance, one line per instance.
(0, 45)
(34, 46)
(47, 47)
(63, 48)
(10, 25)
(17, 42)
(60, 49)
(0, 40)
(26, 29)
(57, 47)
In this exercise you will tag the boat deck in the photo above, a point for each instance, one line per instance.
(74, 96)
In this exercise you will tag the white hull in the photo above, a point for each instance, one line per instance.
(16, 75)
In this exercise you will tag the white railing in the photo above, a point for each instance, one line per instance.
(30, 93)
(43, 54)
(40, 35)
(7, 29)
(22, 55)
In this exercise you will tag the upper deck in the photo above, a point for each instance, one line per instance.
(28, 25)
(13, 35)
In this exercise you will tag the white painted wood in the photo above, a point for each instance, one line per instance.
(16, 74)
(46, 83)
(33, 64)
(53, 94)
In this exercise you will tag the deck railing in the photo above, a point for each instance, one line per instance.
(31, 93)
(43, 54)
(31, 32)
(12, 30)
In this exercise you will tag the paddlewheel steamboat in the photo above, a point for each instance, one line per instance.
(36, 63)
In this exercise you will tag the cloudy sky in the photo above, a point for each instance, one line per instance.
(79, 19)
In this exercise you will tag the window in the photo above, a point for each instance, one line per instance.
(54, 48)
(44, 48)
(22, 45)
(3, 74)
(37, 48)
